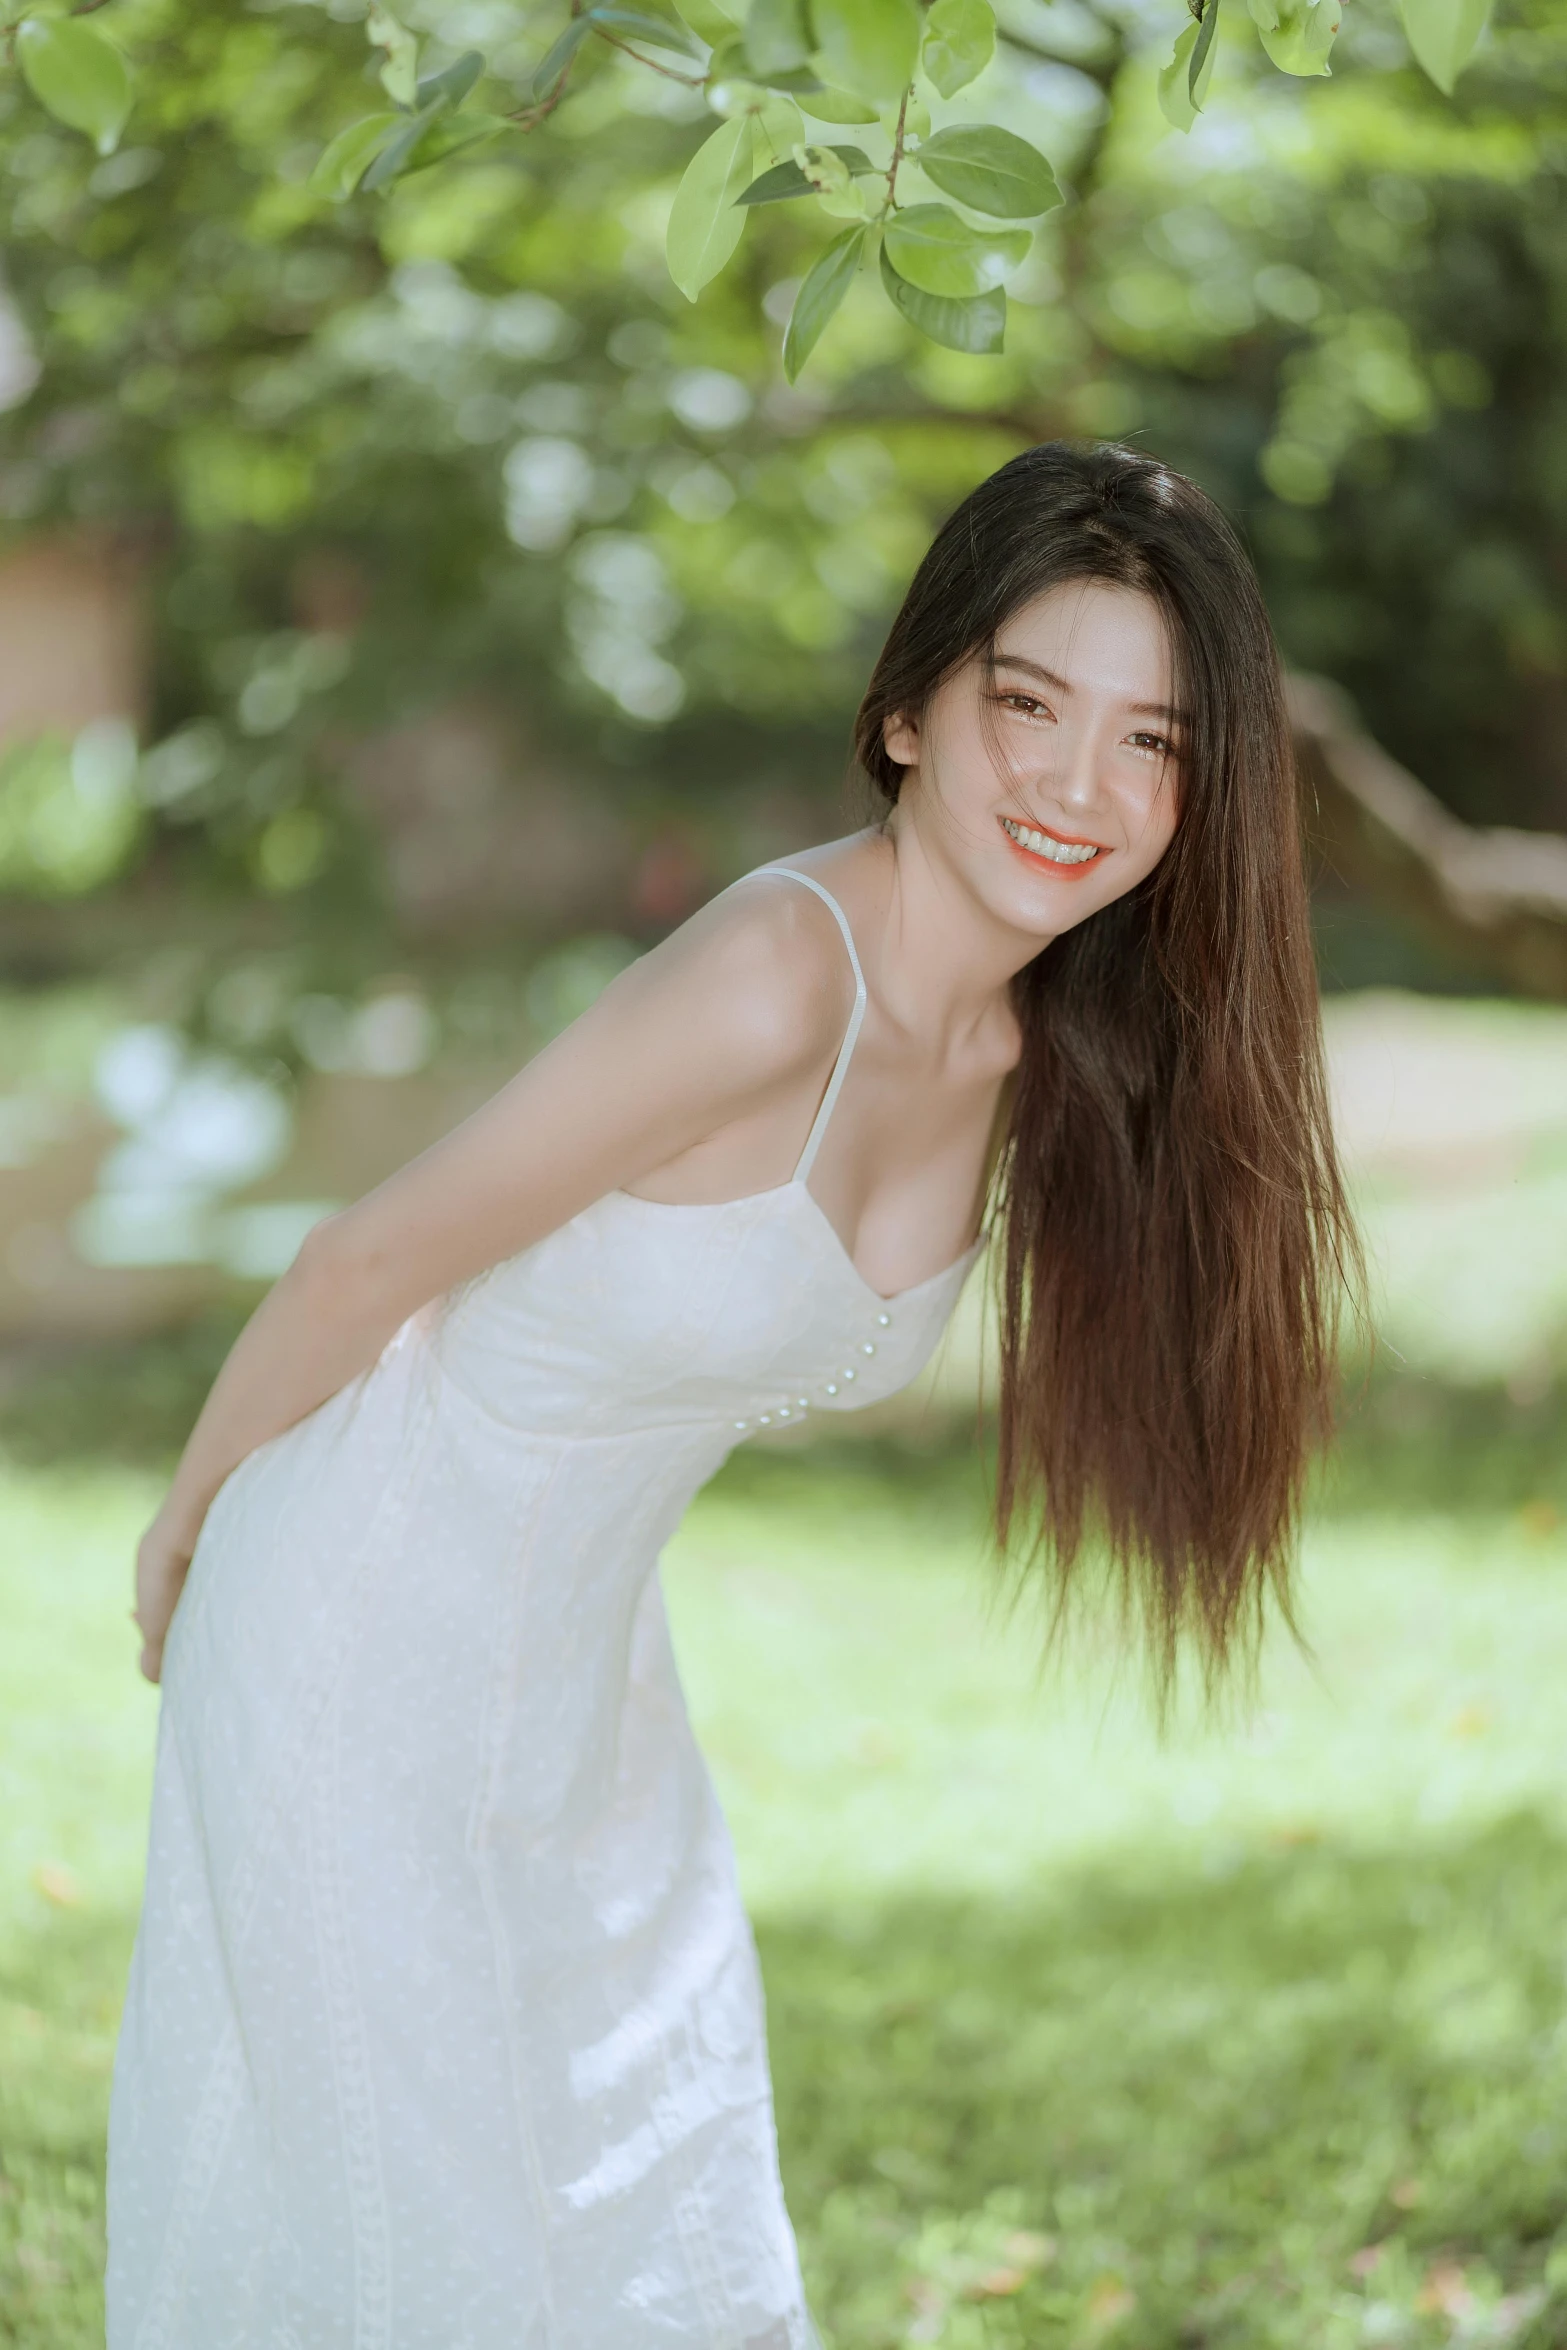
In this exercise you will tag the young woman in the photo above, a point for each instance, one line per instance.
(444, 2026)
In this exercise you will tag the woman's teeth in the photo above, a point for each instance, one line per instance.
(1059, 852)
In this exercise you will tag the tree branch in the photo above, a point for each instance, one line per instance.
(691, 81)
(1495, 896)
(897, 151)
(528, 118)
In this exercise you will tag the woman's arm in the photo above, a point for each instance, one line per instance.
(744, 1003)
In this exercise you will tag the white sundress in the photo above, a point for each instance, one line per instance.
(445, 2029)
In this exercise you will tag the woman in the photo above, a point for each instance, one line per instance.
(444, 2025)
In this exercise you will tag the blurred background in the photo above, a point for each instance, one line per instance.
(411, 610)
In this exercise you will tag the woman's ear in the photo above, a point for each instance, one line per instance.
(901, 740)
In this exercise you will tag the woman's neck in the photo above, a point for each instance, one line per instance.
(941, 961)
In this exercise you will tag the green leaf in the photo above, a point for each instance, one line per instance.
(798, 79)
(707, 219)
(348, 157)
(556, 60)
(449, 135)
(778, 130)
(992, 170)
(838, 106)
(777, 37)
(635, 24)
(1199, 67)
(712, 21)
(826, 283)
(1443, 34)
(729, 62)
(400, 73)
(1179, 102)
(414, 141)
(940, 254)
(833, 182)
(1299, 34)
(777, 185)
(397, 153)
(732, 82)
(867, 47)
(77, 76)
(787, 179)
(978, 325)
(960, 40)
(452, 83)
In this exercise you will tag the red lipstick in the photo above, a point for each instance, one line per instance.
(1070, 840)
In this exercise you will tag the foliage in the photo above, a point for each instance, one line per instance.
(364, 451)
(77, 75)
(762, 65)
(69, 815)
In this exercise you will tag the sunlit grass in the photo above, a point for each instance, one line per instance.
(75, 1745)
(1256, 2038)
(876, 1728)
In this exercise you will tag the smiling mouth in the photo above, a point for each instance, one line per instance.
(1045, 844)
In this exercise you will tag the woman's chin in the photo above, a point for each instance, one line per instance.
(1040, 903)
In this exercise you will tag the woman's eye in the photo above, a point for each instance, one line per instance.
(1159, 744)
(1026, 704)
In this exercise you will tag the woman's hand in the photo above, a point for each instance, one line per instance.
(163, 1559)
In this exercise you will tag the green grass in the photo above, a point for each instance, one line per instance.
(1255, 2038)
(75, 1745)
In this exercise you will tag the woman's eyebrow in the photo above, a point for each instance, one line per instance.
(1063, 685)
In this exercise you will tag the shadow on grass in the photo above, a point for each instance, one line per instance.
(1314, 2099)
(1410, 1445)
(1244, 2110)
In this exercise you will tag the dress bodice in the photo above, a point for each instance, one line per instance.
(640, 1314)
(744, 1314)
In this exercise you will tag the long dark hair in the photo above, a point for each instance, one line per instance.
(1174, 1235)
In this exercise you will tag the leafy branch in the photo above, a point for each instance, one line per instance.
(767, 68)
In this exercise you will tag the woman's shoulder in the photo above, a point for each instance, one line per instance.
(771, 964)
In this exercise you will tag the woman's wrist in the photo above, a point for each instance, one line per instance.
(179, 1518)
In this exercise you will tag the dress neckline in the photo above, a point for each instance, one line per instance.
(753, 1199)
(798, 1180)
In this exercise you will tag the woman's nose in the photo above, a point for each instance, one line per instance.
(1076, 776)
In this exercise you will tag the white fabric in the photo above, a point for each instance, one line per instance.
(444, 2029)
(851, 1035)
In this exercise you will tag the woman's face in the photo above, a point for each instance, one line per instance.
(1050, 781)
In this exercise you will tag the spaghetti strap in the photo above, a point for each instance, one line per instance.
(840, 1067)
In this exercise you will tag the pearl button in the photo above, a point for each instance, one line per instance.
(805, 1403)
(885, 1320)
(742, 1423)
(848, 1373)
(783, 1411)
(866, 1347)
(765, 1421)
(832, 1387)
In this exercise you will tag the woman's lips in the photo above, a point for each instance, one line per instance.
(1038, 859)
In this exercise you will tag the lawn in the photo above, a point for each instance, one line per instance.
(1257, 2037)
